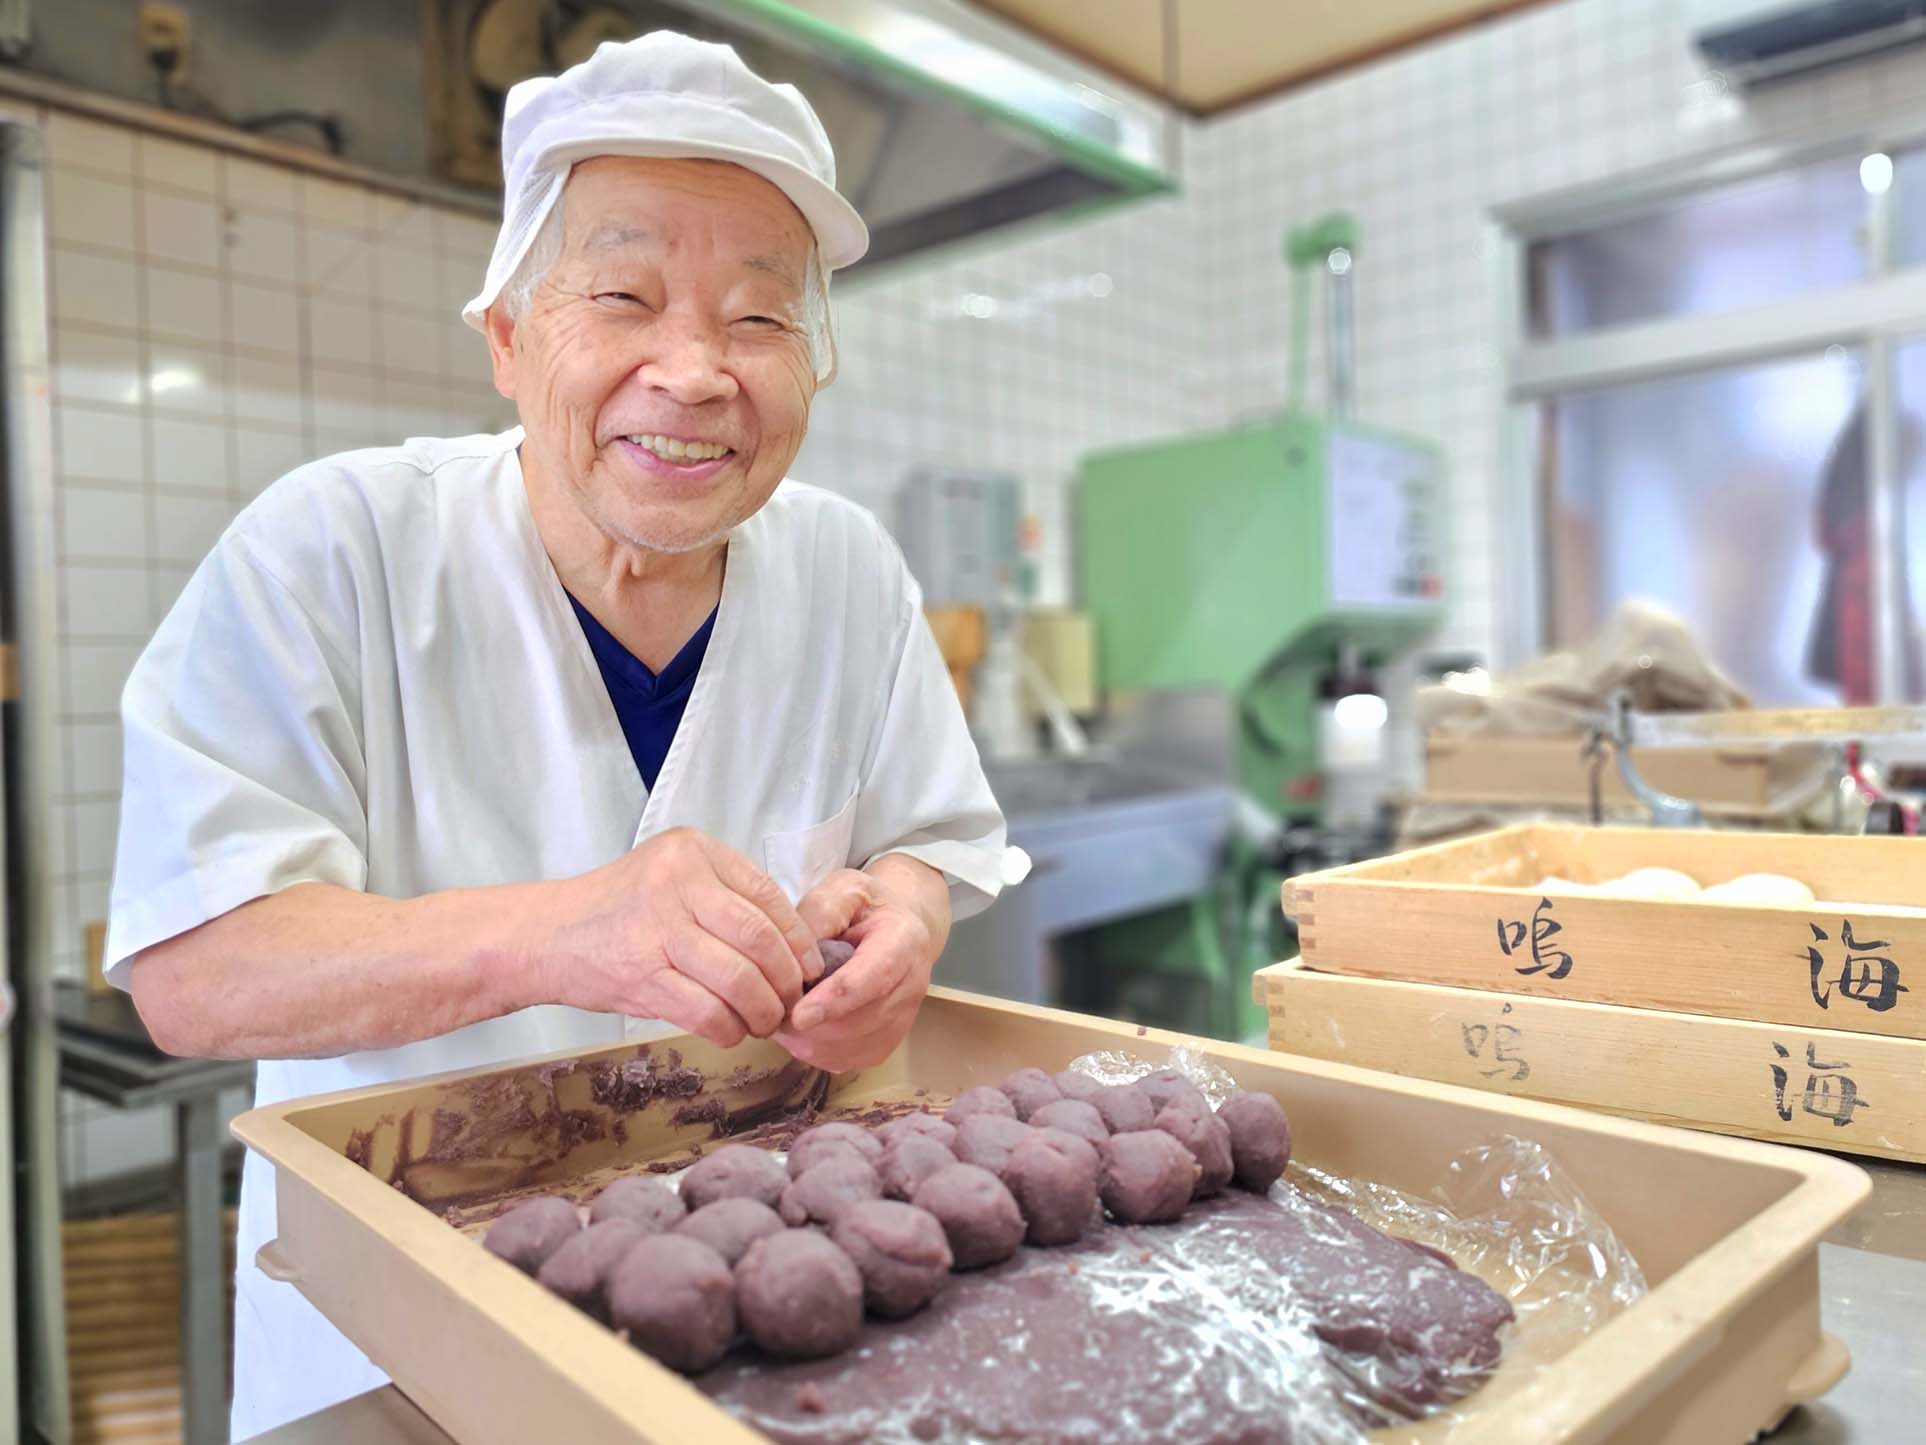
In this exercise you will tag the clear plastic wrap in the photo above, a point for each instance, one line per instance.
(1137, 1336)
(1252, 1320)
(1507, 1213)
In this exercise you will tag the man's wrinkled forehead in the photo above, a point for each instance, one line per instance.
(610, 212)
(613, 237)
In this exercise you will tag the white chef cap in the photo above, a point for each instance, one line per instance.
(667, 96)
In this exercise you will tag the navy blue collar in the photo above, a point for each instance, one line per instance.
(622, 668)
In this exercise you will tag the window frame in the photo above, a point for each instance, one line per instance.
(1878, 315)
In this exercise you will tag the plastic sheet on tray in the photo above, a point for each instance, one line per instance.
(1250, 1321)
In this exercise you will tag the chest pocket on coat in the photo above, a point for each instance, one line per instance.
(800, 859)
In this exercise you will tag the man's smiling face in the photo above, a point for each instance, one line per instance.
(662, 368)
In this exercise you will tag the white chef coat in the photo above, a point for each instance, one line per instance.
(376, 680)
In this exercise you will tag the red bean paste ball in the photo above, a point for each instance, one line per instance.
(804, 1152)
(1147, 1177)
(1206, 1136)
(900, 1251)
(978, 1214)
(735, 1171)
(1074, 1084)
(579, 1271)
(824, 1151)
(1260, 1138)
(1073, 1116)
(649, 1202)
(836, 952)
(1125, 1109)
(529, 1233)
(801, 1297)
(909, 1160)
(980, 1100)
(921, 1122)
(986, 1141)
(1053, 1178)
(827, 1190)
(1066, 1142)
(676, 1299)
(1167, 1087)
(730, 1226)
(1029, 1090)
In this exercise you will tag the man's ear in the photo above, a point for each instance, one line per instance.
(499, 327)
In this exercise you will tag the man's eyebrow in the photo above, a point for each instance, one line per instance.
(774, 265)
(614, 235)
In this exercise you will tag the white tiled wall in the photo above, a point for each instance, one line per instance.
(1018, 358)
(215, 321)
(218, 320)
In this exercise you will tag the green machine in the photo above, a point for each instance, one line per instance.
(1256, 560)
(1277, 562)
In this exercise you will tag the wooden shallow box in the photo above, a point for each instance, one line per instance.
(1469, 914)
(1822, 1088)
(1726, 1231)
(1739, 781)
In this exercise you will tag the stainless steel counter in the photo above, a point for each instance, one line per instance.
(1107, 840)
(1872, 1272)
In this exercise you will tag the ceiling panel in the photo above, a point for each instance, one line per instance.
(1125, 37)
(1209, 54)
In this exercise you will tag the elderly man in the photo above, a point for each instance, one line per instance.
(466, 749)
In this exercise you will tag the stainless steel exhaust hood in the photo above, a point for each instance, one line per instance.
(947, 123)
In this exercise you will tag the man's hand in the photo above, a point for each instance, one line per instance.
(682, 928)
(897, 913)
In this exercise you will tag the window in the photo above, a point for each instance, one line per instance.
(1727, 390)
(1733, 497)
(1728, 247)
(1909, 207)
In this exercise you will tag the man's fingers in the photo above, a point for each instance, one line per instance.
(729, 916)
(835, 1056)
(743, 877)
(856, 1041)
(833, 906)
(692, 1006)
(826, 913)
(728, 975)
(868, 978)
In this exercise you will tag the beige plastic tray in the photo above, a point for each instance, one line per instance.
(1727, 1341)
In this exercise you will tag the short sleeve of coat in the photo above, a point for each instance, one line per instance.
(923, 790)
(243, 760)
